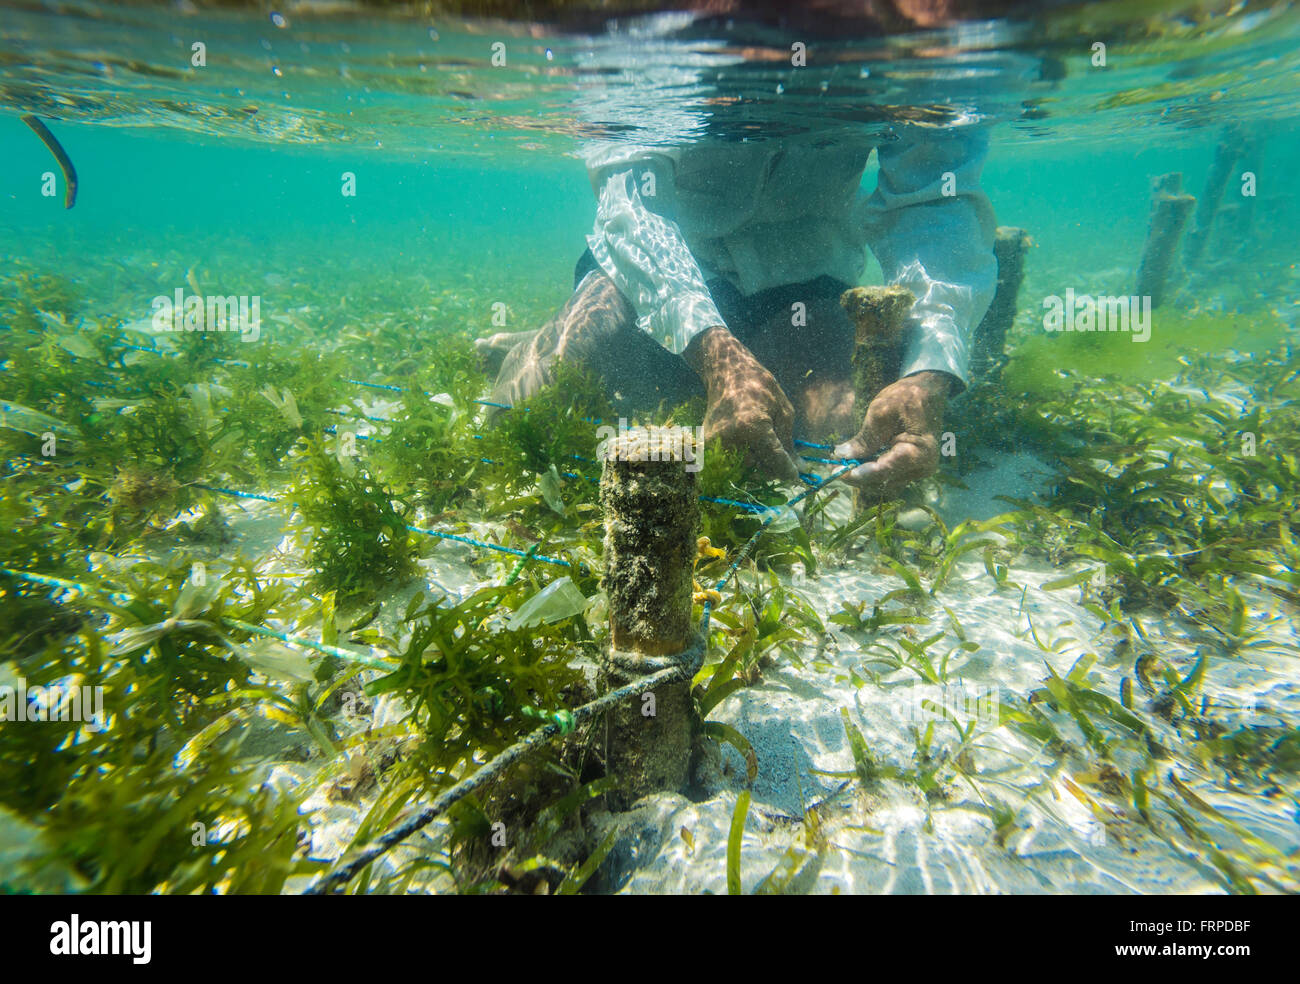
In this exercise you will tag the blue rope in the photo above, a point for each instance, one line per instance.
(494, 546)
(237, 494)
(748, 548)
(416, 529)
(378, 386)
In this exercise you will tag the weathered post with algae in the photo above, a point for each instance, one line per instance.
(879, 316)
(1170, 209)
(652, 516)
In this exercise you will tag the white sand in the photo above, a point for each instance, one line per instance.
(889, 839)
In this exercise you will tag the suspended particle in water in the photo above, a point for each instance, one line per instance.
(275, 70)
(550, 55)
(278, 19)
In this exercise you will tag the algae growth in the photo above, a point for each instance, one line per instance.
(286, 676)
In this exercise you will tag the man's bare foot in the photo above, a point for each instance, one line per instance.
(492, 351)
(594, 311)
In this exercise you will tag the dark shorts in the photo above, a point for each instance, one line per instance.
(645, 373)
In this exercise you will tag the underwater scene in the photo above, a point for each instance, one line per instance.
(589, 448)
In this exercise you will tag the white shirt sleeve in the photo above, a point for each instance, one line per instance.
(644, 252)
(940, 245)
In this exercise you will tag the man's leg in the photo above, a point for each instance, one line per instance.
(596, 328)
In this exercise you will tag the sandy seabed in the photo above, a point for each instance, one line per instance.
(891, 838)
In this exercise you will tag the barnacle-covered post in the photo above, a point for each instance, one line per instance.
(988, 345)
(1170, 209)
(652, 516)
(879, 316)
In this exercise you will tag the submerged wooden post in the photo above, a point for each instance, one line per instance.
(652, 517)
(1170, 209)
(988, 345)
(1226, 153)
(879, 316)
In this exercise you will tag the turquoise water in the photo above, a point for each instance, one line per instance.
(471, 198)
(460, 163)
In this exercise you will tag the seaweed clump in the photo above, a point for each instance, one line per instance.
(359, 541)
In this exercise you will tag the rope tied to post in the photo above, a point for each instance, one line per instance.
(687, 663)
(683, 665)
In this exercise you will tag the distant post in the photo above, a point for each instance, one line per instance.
(1170, 210)
(1226, 154)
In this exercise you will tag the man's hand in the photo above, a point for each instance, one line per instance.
(904, 418)
(747, 408)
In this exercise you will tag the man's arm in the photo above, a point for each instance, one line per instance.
(931, 228)
(644, 254)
